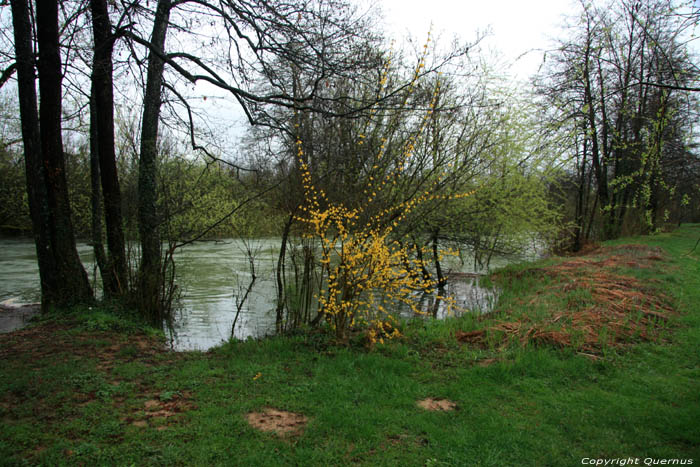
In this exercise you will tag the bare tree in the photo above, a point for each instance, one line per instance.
(619, 86)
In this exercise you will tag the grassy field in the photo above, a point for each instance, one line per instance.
(588, 357)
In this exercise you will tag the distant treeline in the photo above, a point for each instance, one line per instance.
(194, 197)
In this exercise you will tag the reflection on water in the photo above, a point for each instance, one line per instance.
(19, 272)
(463, 294)
(15, 316)
(211, 275)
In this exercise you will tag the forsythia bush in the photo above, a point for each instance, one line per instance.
(362, 263)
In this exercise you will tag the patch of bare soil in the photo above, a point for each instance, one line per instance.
(277, 421)
(37, 345)
(436, 405)
(586, 249)
(158, 412)
(48, 339)
(621, 309)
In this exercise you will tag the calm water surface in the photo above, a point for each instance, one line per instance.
(211, 277)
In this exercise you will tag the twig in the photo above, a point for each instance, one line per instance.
(239, 303)
(691, 251)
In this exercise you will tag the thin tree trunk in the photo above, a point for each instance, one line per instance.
(116, 278)
(597, 159)
(419, 254)
(150, 279)
(95, 197)
(441, 280)
(580, 200)
(74, 285)
(279, 312)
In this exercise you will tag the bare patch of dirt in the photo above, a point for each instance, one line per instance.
(161, 414)
(49, 339)
(152, 405)
(586, 249)
(180, 402)
(436, 405)
(277, 421)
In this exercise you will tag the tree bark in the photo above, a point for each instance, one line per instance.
(115, 274)
(598, 161)
(73, 285)
(441, 279)
(279, 272)
(63, 278)
(34, 169)
(580, 214)
(150, 277)
(96, 197)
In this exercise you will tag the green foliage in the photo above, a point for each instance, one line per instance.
(510, 209)
(197, 197)
(14, 208)
(194, 197)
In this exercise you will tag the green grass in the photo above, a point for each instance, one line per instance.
(76, 390)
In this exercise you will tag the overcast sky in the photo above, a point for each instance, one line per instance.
(516, 26)
(519, 31)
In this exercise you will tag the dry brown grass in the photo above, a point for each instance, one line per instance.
(590, 305)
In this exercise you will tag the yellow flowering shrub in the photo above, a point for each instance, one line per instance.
(364, 264)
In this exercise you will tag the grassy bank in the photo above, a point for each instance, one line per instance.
(596, 356)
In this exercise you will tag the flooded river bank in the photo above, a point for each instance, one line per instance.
(210, 276)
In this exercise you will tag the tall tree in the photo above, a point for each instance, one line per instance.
(63, 277)
(247, 41)
(34, 168)
(115, 271)
(615, 87)
(150, 276)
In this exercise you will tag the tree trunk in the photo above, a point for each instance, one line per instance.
(95, 197)
(580, 215)
(598, 161)
(421, 262)
(115, 275)
(34, 169)
(69, 281)
(441, 279)
(281, 293)
(150, 277)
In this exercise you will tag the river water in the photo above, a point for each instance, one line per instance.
(211, 277)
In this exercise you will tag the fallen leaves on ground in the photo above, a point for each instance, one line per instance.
(603, 306)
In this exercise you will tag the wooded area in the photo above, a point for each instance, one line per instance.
(370, 161)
